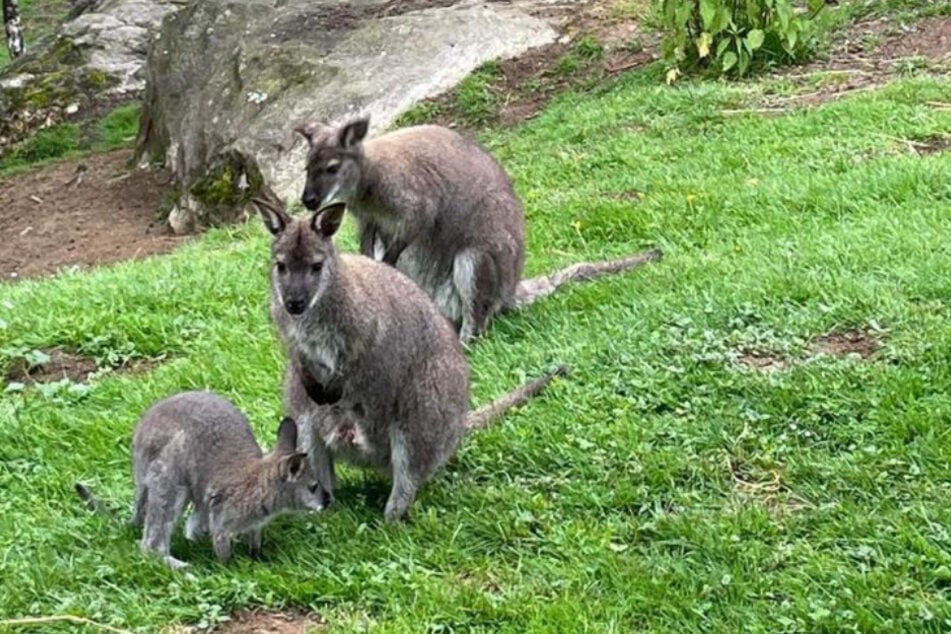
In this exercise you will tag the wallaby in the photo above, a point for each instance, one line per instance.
(437, 206)
(375, 369)
(197, 447)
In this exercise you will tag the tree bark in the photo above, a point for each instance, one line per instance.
(11, 19)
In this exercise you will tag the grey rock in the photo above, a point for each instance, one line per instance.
(229, 78)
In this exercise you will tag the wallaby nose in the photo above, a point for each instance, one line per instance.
(295, 306)
(310, 200)
(326, 499)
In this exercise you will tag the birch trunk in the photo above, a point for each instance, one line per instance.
(11, 19)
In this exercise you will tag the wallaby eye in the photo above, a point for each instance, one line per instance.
(332, 168)
(313, 488)
(316, 267)
(281, 267)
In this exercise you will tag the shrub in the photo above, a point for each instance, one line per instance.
(735, 36)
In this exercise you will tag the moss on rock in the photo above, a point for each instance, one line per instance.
(40, 88)
(226, 187)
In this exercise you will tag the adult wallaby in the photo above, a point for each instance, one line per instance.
(441, 209)
(197, 447)
(372, 350)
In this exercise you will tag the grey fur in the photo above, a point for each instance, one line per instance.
(196, 447)
(376, 375)
(437, 206)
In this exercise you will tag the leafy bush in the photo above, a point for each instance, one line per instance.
(735, 36)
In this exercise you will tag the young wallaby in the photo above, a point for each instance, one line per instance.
(197, 447)
(372, 350)
(437, 206)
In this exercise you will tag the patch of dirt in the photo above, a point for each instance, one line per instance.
(259, 622)
(67, 365)
(51, 219)
(764, 362)
(930, 38)
(835, 344)
(843, 344)
(527, 83)
(930, 145)
(870, 53)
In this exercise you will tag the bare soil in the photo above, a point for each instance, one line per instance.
(259, 622)
(836, 344)
(870, 53)
(50, 219)
(843, 344)
(63, 364)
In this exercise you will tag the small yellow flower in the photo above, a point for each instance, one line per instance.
(691, 198)
(577, 225)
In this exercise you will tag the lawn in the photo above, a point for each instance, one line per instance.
(662, 487)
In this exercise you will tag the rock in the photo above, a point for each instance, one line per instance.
(96, 57)
(227, 80)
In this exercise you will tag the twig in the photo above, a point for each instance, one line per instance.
(67, 618)
(628, 66)
(36, 199)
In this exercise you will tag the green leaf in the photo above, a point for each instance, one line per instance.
(744, 62)
(722, 46)
(729, 60)
(754, 39)
(708, 13)
(14, 387)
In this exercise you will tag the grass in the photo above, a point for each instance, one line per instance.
(660, 488)
(68, 140)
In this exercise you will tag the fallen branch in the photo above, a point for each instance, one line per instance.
(64, 618)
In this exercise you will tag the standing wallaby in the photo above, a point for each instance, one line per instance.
(442, 210)
(197, 447)
(372, 353)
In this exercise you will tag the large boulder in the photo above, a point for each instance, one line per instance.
(94, 59)
(227, 80)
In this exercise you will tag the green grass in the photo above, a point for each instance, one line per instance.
(39, 18)
(68, 140)
(611, 504)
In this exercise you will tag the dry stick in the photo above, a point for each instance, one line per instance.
(67, 618)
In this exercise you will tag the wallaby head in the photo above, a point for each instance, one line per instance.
(334, 162)
(303, 255)
(282, 481)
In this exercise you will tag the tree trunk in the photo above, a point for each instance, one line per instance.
(11, 18)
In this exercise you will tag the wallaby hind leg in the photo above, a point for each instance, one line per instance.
(476, 279)
(405, 482)
(165, 506)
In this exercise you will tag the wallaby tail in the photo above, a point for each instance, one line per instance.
(92, 502)
(531, 290)
(519, 396)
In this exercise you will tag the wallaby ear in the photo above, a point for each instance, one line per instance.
(353, 132)
(287, 436)
(272, 211)
(307, 129)
(292, 466)
(327, 221)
